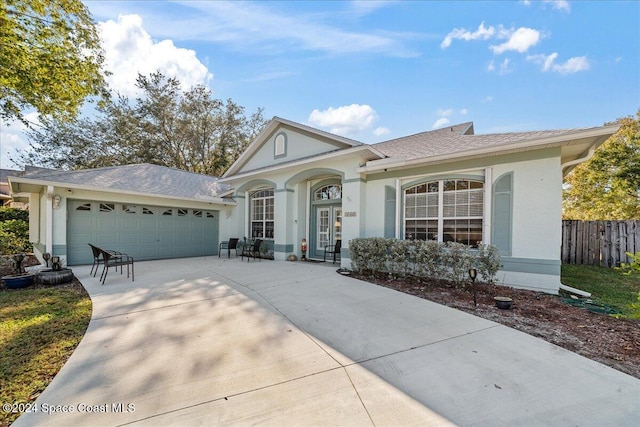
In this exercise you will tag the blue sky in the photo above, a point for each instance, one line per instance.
(373, 71)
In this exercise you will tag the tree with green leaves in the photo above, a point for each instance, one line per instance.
(50, 58)
(189, 130)
(607, 187)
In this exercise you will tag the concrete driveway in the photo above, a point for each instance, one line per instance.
(208, 341)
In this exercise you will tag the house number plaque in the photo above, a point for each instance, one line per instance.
(349, 214)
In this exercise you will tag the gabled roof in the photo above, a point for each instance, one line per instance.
(340, 142)
(142, 178)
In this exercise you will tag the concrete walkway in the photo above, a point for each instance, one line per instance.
(208, 341)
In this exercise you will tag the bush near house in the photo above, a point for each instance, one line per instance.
(14, 231)
(425, 259)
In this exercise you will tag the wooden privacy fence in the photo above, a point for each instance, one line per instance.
(603, 243)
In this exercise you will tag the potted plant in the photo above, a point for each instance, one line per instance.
(19, 278)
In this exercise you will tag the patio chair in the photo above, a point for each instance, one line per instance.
(232, 244)
(333, 249)
(97, 258)
(116, 260)
(252, 251)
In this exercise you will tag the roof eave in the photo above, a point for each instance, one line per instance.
(317, 158)
(43, 183)
(380, 166)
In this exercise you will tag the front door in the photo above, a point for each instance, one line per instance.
(328, 230)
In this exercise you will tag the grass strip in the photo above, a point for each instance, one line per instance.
(39, 330)
(606, 285)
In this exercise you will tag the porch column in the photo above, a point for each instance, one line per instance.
(284, 224)
(353, 220)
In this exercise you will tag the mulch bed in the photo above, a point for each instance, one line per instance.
(600, 337)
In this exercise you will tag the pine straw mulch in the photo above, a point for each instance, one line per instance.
(600, 337)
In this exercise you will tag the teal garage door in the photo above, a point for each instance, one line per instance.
(144, 232)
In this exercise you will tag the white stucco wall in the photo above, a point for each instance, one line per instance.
(537, 207)
(299, 145)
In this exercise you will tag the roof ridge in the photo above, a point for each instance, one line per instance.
(448, 128)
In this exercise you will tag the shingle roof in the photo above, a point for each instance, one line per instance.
(456, 139)
(4, 173)
(139, 178)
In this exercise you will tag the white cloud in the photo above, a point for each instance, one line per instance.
(572, 65)
(491, 66)
(380, 131)
(504, 67)
(555, 4)
(345, 120)
(444, 113)
(260, 27)
(441, 122)
(464, 112)
(482, 33)
(130, 50)
(487, 99)
(559, 5)
(520, 40)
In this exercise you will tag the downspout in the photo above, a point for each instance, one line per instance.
(589, 155)
(48, 229)
(398, 208)
(566, 165)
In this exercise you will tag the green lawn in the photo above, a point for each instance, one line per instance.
(39, 329)
(607, 285)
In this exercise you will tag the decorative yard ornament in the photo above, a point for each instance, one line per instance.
(303, 248)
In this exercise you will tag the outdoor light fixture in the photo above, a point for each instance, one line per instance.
(55, 263)
(46, 257)
(473, 274)
(303, 248)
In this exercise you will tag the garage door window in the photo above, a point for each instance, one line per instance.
(107, 207)
(129, 209)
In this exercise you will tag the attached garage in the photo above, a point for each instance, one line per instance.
(144, 232)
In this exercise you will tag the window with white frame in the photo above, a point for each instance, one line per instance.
(445, 210)
(262, 202)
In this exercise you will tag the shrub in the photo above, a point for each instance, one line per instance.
(14, 237)
(458, 260)
(633, 266)
(399, 258)
(426, 259)
(369, 255)
(7, 214)
(488, 262)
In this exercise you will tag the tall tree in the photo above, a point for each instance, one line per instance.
(607, 187)
(50, 58)
(189, 130)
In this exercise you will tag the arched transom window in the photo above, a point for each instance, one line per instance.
(328, 192)
(445, 210)
(262, 202)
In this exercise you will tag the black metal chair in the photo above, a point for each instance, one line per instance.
(113, 260)
(232, 244)
(333, 249)
(97, 258)
(252, 251)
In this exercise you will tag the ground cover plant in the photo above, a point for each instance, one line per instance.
(610, 336)
(39, 330)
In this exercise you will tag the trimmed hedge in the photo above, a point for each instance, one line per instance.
(425, 259)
